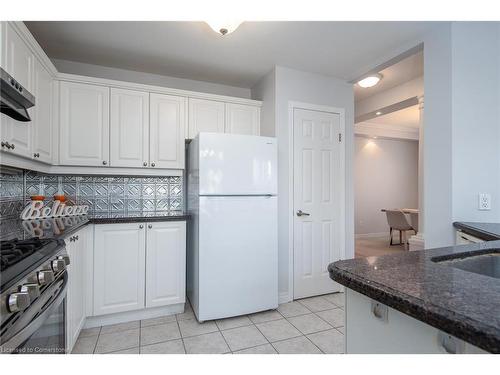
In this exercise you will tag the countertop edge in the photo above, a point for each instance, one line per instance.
(476, 232)
(146, 219)
(473, 332)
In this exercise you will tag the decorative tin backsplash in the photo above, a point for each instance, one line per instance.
(106, 196)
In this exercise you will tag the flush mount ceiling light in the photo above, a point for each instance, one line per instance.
(370, 81)
(378, 113)
(224, 27)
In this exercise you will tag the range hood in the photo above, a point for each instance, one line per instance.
(14, 98)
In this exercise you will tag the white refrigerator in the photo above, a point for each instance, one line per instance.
(233, 230)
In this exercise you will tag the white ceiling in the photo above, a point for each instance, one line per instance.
(408, 117)
(395, 75)
(192, 50)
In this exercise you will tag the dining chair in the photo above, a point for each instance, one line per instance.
(414, 221)
(397, 221)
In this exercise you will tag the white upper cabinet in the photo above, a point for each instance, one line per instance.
(17, 60)
(167, 130)
(129, 128)
(119, 267)
(165, 263)
(242, 119)
(205, 116)
(83, 124)
(42, 131)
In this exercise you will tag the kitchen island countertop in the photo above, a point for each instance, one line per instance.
(462, 303)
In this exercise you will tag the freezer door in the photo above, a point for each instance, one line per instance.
(231, 164)
(238, 256)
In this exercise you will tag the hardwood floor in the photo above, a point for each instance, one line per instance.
(366, 247)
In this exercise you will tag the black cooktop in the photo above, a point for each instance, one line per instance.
(20, 257)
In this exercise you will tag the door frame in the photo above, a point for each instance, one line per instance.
(292, 105)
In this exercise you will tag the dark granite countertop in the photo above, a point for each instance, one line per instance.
(463, 304)
(483, 231)
(144, 217)
(60, 228)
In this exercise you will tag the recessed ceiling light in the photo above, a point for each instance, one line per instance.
(370, 81)
(224, 27)
(378, 113)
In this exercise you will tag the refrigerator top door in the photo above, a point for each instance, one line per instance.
(232, 164)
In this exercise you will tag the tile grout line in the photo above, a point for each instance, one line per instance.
(96, 342)
(180, 333)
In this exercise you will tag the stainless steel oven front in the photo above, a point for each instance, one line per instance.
(39, 327)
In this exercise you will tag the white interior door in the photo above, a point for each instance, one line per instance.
(317, 184)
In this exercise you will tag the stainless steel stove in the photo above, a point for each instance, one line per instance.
(33, 291)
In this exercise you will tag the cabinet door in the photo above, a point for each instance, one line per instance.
(167, 127)
(119, 273)
(205, 116)
(18, 61)
(84, 124)
(166, 263)
(242, 119)
(129, 128)
(77, 288)
(42, 122)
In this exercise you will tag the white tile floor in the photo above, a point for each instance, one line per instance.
(307, 326)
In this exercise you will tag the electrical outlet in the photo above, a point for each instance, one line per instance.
(484, 202)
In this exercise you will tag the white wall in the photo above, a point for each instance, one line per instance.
(295, 85)
(476, 121)
(437, 138)
(99, 71)
(265, 90)
(385, 176)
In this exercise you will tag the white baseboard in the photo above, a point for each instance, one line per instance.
(372, 235)
(284, 298)
(129, 316)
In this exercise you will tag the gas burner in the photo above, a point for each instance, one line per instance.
(13, 251)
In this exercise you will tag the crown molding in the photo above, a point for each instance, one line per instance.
(369, 129)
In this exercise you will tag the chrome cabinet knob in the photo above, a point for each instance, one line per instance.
(65, 258)
(145, 164)
(32, 289)
(141, 226)
(45, 277)
(104, 162)
(18, 301)
(4, 144)
(150, 226)
(36, 155)
(153, 164)
(58, 265)
(301, 213)
(13, 146)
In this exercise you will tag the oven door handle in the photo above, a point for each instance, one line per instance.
(25, 333)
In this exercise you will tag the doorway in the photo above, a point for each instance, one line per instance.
(318, 183)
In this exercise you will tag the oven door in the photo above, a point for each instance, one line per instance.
(41, 328)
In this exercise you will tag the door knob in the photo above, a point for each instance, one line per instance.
(145, 164)
(153, 164)
(150, 226)
(104, 162)
(141, 226)
(301, 213)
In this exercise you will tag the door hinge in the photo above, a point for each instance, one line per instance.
(340, 137)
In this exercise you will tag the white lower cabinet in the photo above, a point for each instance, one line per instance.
(119, 260)
(138, 265)
(373, 328)
(77, 246)
(165, 263)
